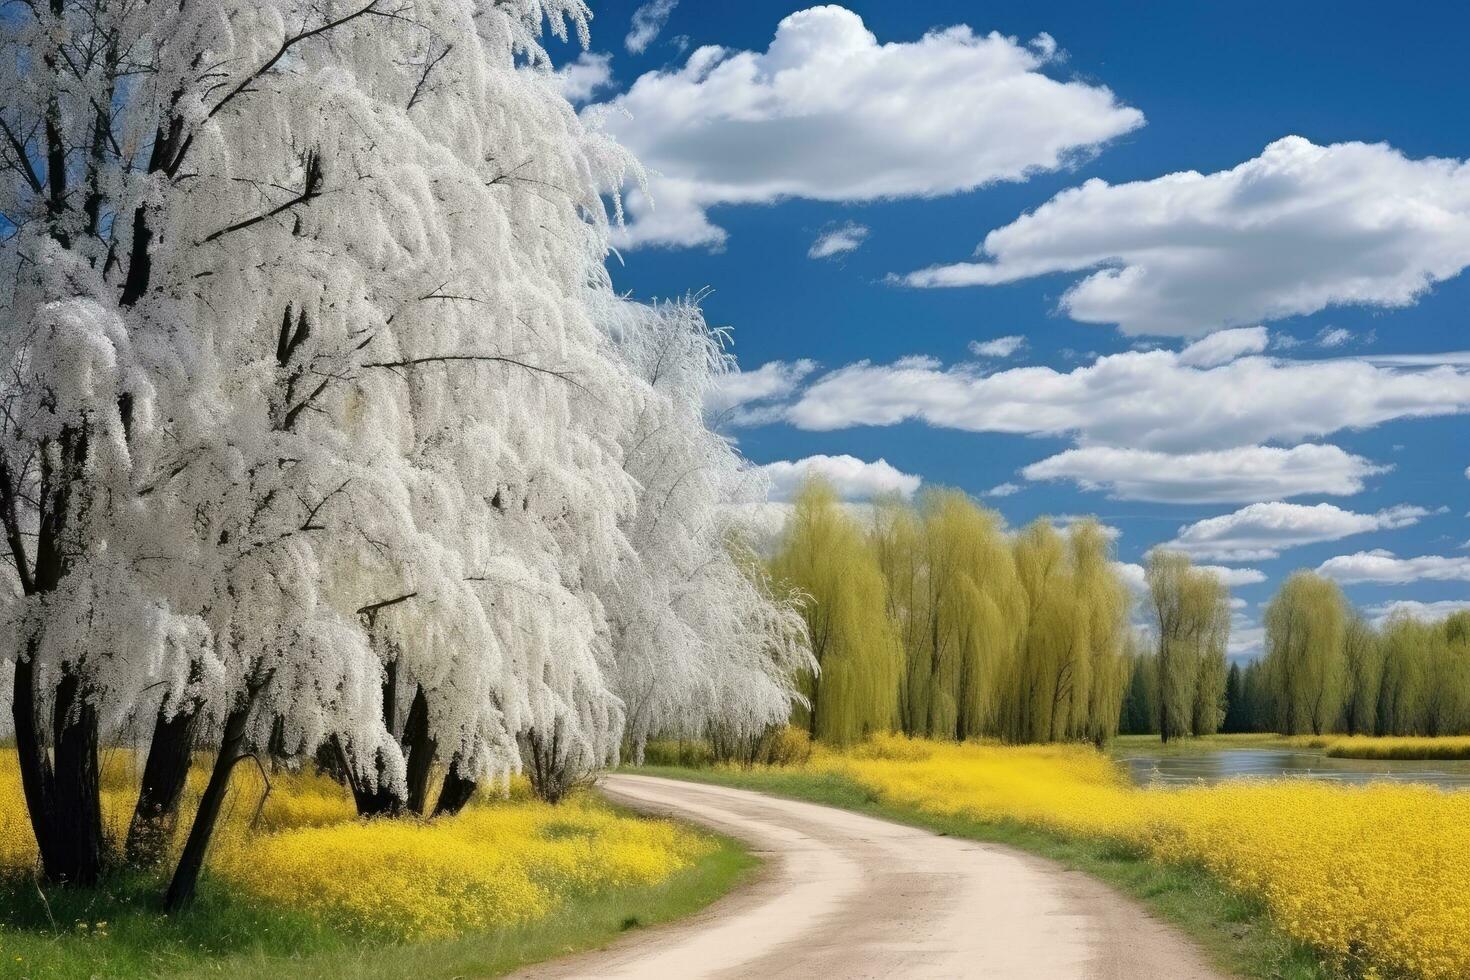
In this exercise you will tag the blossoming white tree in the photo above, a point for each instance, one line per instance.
(323, 431)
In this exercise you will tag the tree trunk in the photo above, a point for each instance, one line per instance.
(81, 848)
(35, 764)
(372, 800)
(455, 794)
(165, 774)
(191, 862)
(62, 791)
(421, 748)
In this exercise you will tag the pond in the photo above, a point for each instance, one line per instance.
(1212, 764)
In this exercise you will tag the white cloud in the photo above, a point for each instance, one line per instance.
(1247, 638)
(1295, 230)
(828, 113)
(1002, 490)
(838, 241)
(1224, 346)
(648, 20)
(1145, 399)
(999, 347)
(1333, 336)
(580, 80)
(853, 478)
(1249, 473)
(1264, 530)
(741, 397)
(1384, 567)
(1136, 578)
(1431, 611)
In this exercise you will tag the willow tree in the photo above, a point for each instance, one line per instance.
(955, 604)
(825, 554)
(1191, 619)
(1362, 651)
(1306, 624)
(1401, 692)
(1040, 669)
(1102, 601)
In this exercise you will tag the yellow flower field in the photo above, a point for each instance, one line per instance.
(1389, 747)
(499, 862)
(1376, 878)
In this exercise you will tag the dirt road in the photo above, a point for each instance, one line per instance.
(843, 895)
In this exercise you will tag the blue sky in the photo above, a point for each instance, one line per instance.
(1325, 257)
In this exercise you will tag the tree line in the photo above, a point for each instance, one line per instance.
(1326, 669)
(933, 619)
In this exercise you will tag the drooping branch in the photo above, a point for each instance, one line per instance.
(369, 9)
(311, 189)
(429, 67)
(410, 362)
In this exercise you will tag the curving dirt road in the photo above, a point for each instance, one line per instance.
(843, 895)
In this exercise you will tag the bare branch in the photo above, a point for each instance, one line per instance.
(483, 358)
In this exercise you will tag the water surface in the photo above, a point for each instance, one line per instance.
(1212, 764)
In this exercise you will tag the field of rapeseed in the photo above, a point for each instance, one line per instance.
(500, 862)
(1390, 747)
(1376, 878)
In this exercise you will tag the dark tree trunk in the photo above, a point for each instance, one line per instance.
(421, 748)
(191, 862)
(455, 794)
(373, 800)
(62, 790)
(164, 775)
(34, 762)
(80, 849)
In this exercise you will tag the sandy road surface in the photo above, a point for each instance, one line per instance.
(844, 895)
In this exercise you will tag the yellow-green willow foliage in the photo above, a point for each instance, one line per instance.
(826, 554)
(1069, 674)
(955, 606)
(1306, 627)
(1426, 677)
(1191, 613)
(1362, 651)
(981, 632)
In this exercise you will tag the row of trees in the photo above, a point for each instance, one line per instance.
(1326, 669)
(933, 619)
(324, 434)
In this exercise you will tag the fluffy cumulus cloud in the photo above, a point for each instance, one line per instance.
(1386, 568)
(1144, 399)
(853, 478)
(999, 347)
(1224, 346)
(582, 79)
(829, 113)
(753, 397)
(648, 20)
(1264, 530)
(1002, 490)
(1254, 473)
(844, 238)
(1298, 229)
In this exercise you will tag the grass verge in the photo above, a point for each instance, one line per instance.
(116, 931)
(1233, 930)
